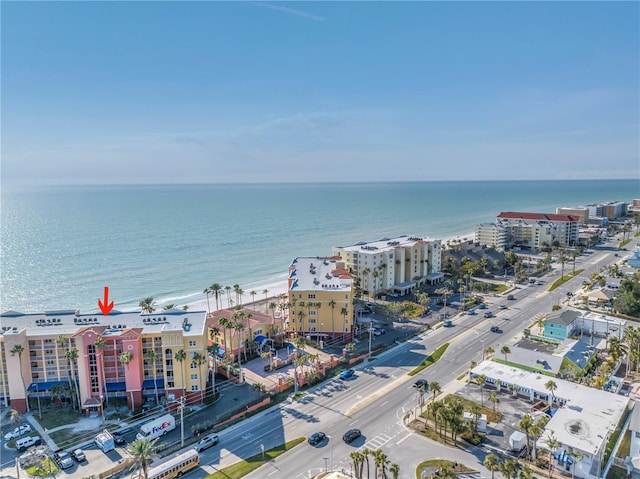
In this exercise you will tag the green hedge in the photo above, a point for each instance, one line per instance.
(432, 358)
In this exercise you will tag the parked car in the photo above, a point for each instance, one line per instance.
(316, 438)
(63, 459)
(207, 441)
(17, 432)
(351, 435)
(26, 442)
(347, 373)
(78, 455)
(118, 438)
(421, 383)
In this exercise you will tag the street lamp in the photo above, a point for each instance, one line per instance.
(370, 336)
(102, 407)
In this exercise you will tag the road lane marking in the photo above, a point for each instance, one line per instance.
(403, 439)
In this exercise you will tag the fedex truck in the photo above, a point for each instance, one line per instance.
(157, 427)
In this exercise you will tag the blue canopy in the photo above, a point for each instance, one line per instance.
(148, 383)
(112, 387)
(259, 339)
(45, 386)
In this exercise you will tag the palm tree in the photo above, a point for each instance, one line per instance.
(199, 359)
(152, 356)
(19, 349)
(125, 359)
(489, 351)
(576, 456)
(72, 357)
(553, 444)
(357, 459)
(505, 350)
(215, 288)
(228, 290)
(380, 462)
(253, 293)
(562, 259)
(147, 305)
(435, 388)
(142, 452)
(492, 463)
(100, 344)
(480, 380)
(207, 291)
(332, 304)
(526, 424)
(366, 452)
(493, 398)
(168, 307)
(526, 472)
(394, 469)
(551, 386)
(180, 356)
(266, 299)
(239, 328)
(509, 468)
(540, 323)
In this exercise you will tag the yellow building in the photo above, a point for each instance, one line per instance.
(95, 358)
(320, 298)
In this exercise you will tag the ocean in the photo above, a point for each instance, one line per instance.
(60, 246)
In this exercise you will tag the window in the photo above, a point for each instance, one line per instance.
(193, 366)
(192, 344)
(312, 321)
(194, 377)
(312, 313)
(312, 296)
(194, 387)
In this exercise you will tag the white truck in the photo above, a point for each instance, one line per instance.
(105, 441)
(517, 441)
(157, 427)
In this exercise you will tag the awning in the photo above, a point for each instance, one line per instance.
(259, 339)
(148, 383)
(112, 387)
(45, 386)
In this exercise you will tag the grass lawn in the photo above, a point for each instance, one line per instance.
(244, 467)
(625, 445)
(45, 468)
(432, 358)
(616, 472)
(435, 464)
(60, 417)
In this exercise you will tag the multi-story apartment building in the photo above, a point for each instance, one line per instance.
(492, 234)
(581, 212)
(535, 230)
(320, 298)
(611, 209)
(124, 354)
(393, 264)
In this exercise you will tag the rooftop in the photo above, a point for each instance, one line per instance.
(388, 244)
(319, 274)
(69, 322)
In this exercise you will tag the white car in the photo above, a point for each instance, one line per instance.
(17, 432)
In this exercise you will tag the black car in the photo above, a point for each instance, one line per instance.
(495, 329)
(421, 383)
(316, 438)
(118, 438)
(351, 435)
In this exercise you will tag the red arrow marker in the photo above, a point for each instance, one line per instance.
(106, 306)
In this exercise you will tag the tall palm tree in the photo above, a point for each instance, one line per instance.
(332, 304)
(225, 323)
(526, 425)
(152, 357)
(72, 357)
(147, 305)
(253, 293)
(492, 463)
(553, 444)
(509, 468)
(239, 328)
(540, 323)
(357, 460)
(505, 350)
(380, 461)
(125, 359)
(216, 288)
(435, 388)
(551, 386)
(366, 452)
(19, 349)
(394, 469)
(299, 343)
(100, 344)
(481, 379)
(526, 472)
(266, 299)
(180, 356)
(576, 456)
(493, 398)
(199, 359)
(228, 290)
(142, 452)
(207, 291)
(489, 351)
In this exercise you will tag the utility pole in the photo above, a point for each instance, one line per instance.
(182, 401)
(370, 335)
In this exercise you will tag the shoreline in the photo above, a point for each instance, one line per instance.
(274, 288)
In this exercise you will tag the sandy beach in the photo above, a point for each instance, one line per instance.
(275, 289)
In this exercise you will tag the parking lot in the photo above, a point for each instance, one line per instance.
(512, 409)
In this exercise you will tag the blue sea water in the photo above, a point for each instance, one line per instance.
(62, 245)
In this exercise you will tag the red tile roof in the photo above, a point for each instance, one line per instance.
(537, 216)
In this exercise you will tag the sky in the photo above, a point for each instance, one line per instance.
(253, 91)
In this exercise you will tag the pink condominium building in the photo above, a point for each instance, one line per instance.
(127, 355)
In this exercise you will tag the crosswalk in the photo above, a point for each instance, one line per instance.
(377, 442)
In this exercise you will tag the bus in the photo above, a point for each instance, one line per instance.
(174, 467)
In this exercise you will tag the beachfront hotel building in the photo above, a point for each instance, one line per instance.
(584, 421)
(395, 265)
(125, 355)
(535, 230)
(320, 293)
(491, 234)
